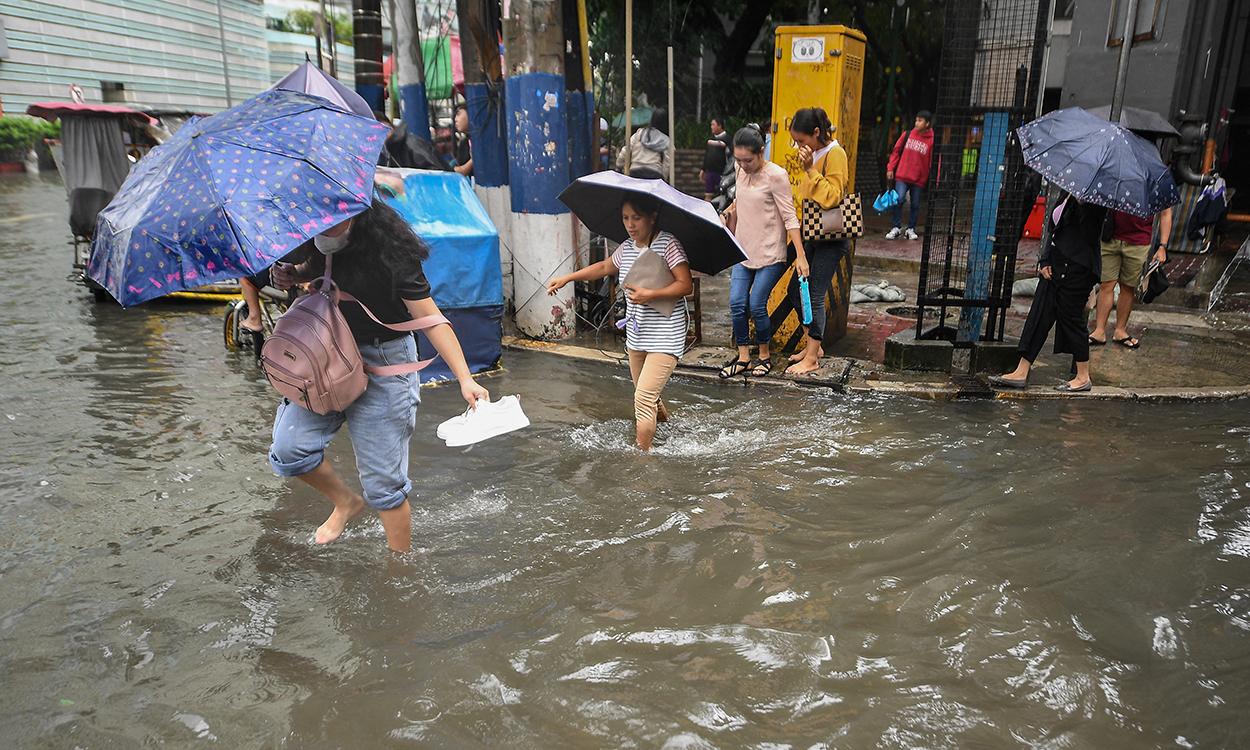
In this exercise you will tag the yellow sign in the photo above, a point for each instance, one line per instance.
(816, 66)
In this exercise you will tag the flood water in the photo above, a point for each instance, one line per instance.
(789, 569)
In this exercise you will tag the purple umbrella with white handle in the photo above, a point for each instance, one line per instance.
(310, 79)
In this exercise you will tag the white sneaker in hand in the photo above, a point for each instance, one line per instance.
(893, 233)
(488, 420)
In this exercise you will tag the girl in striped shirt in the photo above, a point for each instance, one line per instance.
(653, 340)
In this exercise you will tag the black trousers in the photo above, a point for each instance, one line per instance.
(823, 256)
(1060, 304)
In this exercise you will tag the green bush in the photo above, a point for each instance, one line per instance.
(17, 136)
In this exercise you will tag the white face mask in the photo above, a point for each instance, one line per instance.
(331, 245)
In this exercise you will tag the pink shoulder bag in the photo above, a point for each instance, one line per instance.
(311, 357)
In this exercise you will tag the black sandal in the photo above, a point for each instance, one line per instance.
(733, 367)
(761, 368)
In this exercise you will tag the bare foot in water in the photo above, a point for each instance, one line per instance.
(803, 366)
(333, 527)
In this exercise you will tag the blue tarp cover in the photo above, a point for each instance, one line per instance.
(463, 267)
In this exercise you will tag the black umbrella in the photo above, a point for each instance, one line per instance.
(1139, 120)
(710, 247)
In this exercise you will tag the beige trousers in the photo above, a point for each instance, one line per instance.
(650, 371)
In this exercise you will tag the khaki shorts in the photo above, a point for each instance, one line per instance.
(1122, 261)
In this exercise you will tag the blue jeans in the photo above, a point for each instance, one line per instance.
(906, 191)
(749, 288)
(381, 422)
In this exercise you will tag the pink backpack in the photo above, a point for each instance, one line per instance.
(312, 358)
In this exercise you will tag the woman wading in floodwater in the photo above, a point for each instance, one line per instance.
(654, 341)
(377, 258)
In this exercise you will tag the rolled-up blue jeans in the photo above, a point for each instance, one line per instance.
(748, 292)
(911, 193)
(381, 422)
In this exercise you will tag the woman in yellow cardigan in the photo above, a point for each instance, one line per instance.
(824, 181)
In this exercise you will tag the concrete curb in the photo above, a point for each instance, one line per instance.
(936, 390)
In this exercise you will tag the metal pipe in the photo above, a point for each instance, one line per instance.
(629, 76)
(225, 68)
(698, 96)
(672, 125)
(1121, 75)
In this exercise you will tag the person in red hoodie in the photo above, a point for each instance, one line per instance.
(909, 168)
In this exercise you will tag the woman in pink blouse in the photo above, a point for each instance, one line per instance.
(762, 218)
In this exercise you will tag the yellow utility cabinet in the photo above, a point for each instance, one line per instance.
(816, 66)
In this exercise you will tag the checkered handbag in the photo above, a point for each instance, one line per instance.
(844, 221)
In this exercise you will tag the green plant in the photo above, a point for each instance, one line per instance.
(18, 135)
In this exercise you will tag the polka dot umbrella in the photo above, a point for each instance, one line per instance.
(1098, 162)
(230, 194)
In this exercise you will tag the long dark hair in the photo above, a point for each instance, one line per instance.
(812, 120)
(379, 237)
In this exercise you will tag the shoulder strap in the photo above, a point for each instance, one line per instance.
(418, 324)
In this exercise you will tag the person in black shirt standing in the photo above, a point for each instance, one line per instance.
(464, 150)
(714, 159)
(377, 259)
(1070, 266)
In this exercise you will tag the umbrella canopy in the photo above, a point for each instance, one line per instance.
(230, 194)
(50, 111)
(1098, 162)
(1139, 120)
(639, 118)
(310, 79)
(596, 199)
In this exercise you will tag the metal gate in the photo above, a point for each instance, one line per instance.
(980, 192)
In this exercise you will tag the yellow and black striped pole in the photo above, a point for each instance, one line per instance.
(787, 333)
(816, 66)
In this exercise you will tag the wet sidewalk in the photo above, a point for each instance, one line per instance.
(1183, 355)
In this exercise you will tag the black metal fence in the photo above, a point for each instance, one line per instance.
(980, 190)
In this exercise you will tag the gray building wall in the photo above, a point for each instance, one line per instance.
(165, 53)
(1090, 67)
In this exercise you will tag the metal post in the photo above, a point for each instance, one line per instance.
(889, 86)
(698, 97)
(672, 125)
(332, 40)
(629, 76)
(225, 68)
(1121, 74)
(367, 35)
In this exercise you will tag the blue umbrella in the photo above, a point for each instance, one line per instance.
(1098, 162)
(230, 194)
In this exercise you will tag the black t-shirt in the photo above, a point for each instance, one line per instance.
(717, 153)
(464, 152)
(364, 277)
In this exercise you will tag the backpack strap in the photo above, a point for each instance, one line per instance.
(418, 324)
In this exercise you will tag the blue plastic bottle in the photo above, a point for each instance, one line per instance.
(805, 297)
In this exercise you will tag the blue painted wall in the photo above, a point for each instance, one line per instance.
(538, 142)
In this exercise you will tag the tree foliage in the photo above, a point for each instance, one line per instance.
(303, 21)
(738, 85)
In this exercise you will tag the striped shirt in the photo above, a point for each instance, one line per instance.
(647, 330)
